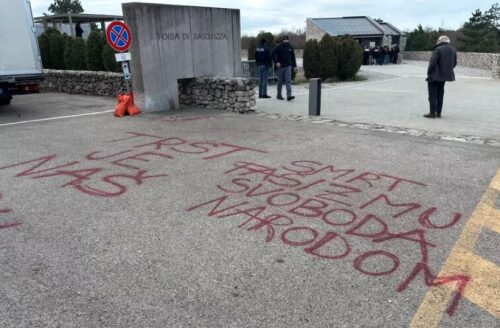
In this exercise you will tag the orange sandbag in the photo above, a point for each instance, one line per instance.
(121, 107)
(126, 105)
(132, 109)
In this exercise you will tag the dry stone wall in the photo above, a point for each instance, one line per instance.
(231, 94)
(468, 59)
(83, 82)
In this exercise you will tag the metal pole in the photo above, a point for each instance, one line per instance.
(126, 74)
(314, 97)
(71, 27)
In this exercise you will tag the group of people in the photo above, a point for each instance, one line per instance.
(283, 57)
(380, 55)
(440, 69)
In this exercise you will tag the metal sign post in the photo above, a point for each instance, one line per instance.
(124, 58)
(119, 38)
(126, 74)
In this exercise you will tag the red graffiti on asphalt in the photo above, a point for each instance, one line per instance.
(4, 213)
(111, 174)
(338, 213)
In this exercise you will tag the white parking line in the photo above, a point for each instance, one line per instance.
(57, 118)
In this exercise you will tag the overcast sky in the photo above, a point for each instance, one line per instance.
(275, 15)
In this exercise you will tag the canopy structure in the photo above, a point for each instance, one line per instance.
(72, 19)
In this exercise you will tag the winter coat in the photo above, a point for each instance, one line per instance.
(283, 53)
(263, 55)
(442, 63)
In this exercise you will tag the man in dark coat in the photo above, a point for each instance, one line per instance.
(441, 65)
(263, 60)
(78, 30)
(396, 54)
(284, 57)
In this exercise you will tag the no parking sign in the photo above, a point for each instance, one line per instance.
(118, 36)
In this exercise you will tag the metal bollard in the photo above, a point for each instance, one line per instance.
(314, 97)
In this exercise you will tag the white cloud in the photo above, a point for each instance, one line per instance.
(279, 14)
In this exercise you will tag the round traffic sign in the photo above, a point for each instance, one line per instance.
(118, 36)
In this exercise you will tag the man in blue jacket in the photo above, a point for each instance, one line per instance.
(284, 57)
(263, 60)
(440, 70)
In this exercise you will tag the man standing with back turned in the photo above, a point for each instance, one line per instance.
(284, 57)
(441, 65)
(263, 60)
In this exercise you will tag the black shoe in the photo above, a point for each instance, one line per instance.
(430, 115)
(438, 115)
(260, 96)
(280, 98)
(266, 97)
(290, 98)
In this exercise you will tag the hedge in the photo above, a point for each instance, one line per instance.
(60, 51)
(337, 58)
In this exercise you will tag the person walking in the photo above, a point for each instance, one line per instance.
(263, 60)
(440, 70)
(284, 57)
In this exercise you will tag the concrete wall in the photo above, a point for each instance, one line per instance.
(469, 59)
(176, 42)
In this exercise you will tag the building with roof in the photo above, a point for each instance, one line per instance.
(366, 30)
(66, 22)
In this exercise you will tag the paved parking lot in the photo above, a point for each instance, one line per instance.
(210, 219)
(396, 96)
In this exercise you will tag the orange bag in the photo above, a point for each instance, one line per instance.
(121, 107)
(126, 105)
(132, 109)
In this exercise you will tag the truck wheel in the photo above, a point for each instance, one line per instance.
(5, 100)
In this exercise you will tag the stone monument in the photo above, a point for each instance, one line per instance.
(177, 42)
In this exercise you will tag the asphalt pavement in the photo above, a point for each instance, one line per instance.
(396, 96)
(200, 218)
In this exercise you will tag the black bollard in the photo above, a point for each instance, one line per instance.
(314, 97)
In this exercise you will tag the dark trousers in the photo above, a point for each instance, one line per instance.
(436, 94)
(263, 71)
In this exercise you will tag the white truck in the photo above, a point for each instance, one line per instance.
(20, 61)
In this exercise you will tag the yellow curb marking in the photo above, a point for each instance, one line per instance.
(484, 287)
